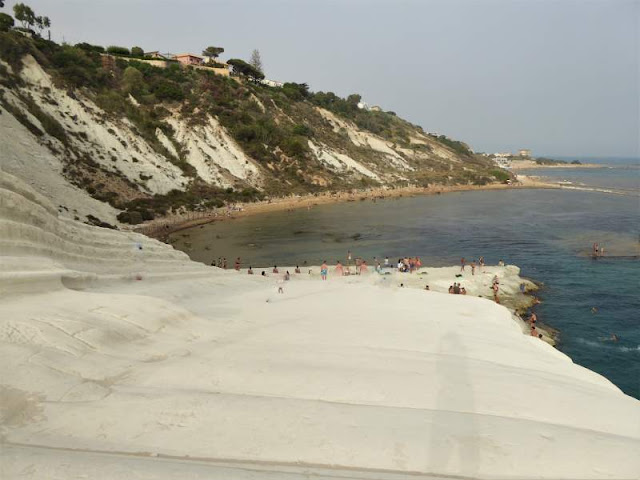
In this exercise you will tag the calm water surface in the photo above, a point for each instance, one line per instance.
(547, 233)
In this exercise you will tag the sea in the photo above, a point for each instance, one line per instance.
(548, 233)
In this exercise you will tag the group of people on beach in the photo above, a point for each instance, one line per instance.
(457, 289)
(409, 264)
(221, 262)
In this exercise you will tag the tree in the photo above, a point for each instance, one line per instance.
(115, 50)
(256, 61)
(354, 99)
(296, 91)
(24, 15)
(137, 52)
(243, 68)
(6, 22)
(41, 23)
(212, 52)
(132, 80)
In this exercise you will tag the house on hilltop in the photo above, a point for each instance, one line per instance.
(189, 59)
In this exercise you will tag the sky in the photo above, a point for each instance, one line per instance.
(558, 77)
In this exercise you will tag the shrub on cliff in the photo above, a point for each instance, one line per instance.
(90, 48)
(115, 50)
(6, 22)
(500, 175)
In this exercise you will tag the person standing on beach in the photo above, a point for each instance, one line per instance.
(339, 269)
(363, 267)
(462, 262)
(323, 270)
(495, 289)
(237, 264)
(473, 267)
(386, 262)
(348, 257)
(224, 263)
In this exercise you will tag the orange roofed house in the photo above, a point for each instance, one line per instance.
(189, 59)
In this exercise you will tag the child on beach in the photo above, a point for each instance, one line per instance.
(323, 270)
(462, 262)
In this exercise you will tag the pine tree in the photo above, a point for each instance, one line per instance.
(256, 60)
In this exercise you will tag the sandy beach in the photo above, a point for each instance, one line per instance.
(164, 226)
(121, 358)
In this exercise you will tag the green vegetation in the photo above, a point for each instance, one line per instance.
(242, 68)
(274, 126)
(212, 52)
(199, 196)
(115, 50)
(548, 161)
(6, 22)
(455, 145)
(500, 175)
(256, 61)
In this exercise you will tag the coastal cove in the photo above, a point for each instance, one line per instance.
(523, 227)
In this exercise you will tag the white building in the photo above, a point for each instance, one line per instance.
(272, 83)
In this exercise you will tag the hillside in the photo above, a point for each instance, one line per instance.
(99, 135)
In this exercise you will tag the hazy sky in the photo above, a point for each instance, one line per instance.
(559, 77)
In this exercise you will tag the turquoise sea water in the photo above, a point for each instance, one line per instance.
(547, 233)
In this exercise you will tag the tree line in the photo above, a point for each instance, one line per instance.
(27, 18)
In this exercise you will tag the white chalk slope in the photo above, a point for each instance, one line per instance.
(121, 362)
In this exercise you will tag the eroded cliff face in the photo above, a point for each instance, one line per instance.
(93, 163)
